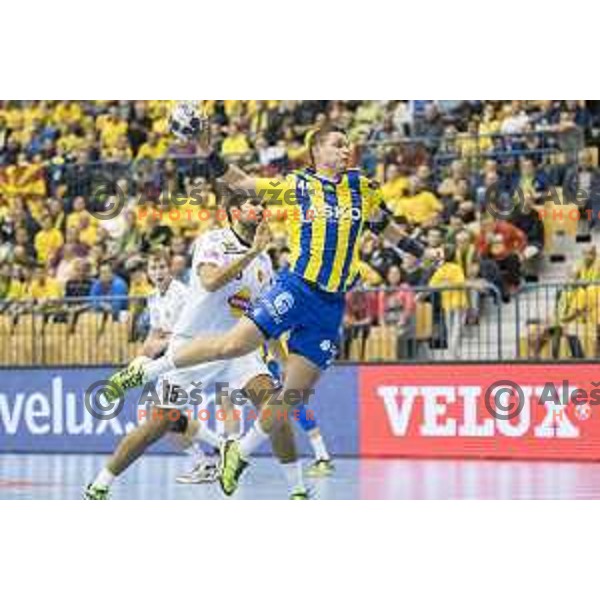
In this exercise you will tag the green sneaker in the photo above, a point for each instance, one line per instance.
(232, 466)
(96, 492)
(320, 468)
(300, 493)
(130, 377)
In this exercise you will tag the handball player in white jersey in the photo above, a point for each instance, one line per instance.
(230, 268)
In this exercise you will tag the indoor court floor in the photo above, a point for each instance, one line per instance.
(62, 476)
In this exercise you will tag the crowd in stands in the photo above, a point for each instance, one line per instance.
(439, 164)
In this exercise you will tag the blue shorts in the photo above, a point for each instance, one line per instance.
(313, 317)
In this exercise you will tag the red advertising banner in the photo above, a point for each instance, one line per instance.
(480, 411)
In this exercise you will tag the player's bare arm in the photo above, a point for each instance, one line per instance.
(155, 343)
(214, 278)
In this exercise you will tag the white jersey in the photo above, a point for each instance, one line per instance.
(165, 309)
(219, 311)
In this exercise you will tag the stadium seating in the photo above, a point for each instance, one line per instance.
(57, 152)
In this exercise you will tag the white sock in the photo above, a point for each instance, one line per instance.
(293, 474)
(318, 445)
(158, 367)
(208, 436)
(104, 478)
(252, 440)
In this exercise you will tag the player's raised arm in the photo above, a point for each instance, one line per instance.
(215, 275)
(187, 122)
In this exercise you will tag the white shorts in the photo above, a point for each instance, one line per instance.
(195, 387)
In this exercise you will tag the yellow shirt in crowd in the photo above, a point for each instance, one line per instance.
(418, 209)
(49, 290)
(236, 144)
(450, 274)
(47, 243)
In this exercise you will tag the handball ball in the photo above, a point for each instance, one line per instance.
(185, 121)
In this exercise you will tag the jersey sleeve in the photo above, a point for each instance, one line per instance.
(208, 250)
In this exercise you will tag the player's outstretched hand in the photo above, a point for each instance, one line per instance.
(262, 237)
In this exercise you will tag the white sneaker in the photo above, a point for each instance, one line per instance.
(203, 472)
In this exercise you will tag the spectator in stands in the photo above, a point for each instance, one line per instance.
(57, 214)
(588, 269)
(76, 213)
(109, 292)
(65, 266)
(586, 186)
(236, 144)
(420, 206)
(527, 219)
(531, 181)
(454, 301)
(22, 238)
(139, 289)
(71, 239)
(395, 187)
(79, 283)
(413, 272)
(77, 292)
(409, 241)
(378, 254)
(154, 148)
(130, 240)
(5, 277)
(572, 314)
(45, 290)
(47, 241)
(504, 244)
(88, 230)
(513, 121)
(397, 308)
(358, 320)
(179, 268)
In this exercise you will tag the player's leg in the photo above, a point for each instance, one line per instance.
(323, 465)
(186, 434)
(301, 376)
(130, 448)
(240, 340)
(260, 389)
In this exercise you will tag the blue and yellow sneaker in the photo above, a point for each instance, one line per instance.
(232, 466)
(96, 492)
(320, 468)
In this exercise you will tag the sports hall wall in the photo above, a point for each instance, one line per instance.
(368, 410)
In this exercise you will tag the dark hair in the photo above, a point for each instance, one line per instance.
(233, 200)
(316, 137)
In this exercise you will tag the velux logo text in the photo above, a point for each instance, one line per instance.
(464, 411)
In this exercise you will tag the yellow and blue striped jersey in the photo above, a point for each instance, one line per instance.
(324, 220)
